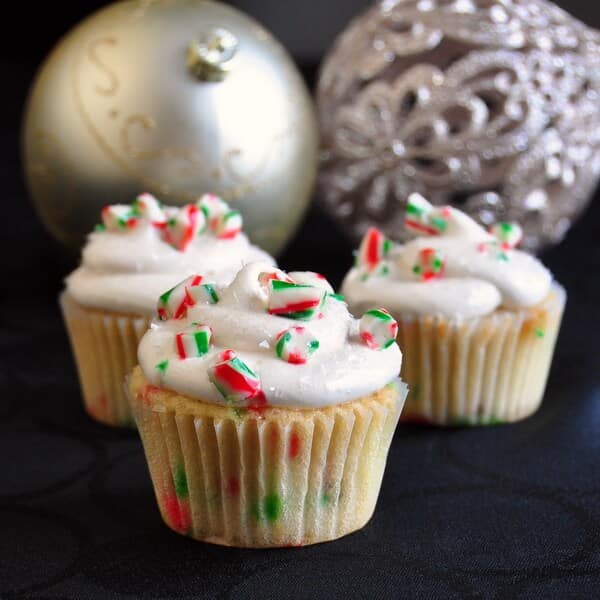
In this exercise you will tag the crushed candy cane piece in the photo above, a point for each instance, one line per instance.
(378, 329)
(213, 207)
(173, 304)
(373, 249)
(296, 345)
(235, 380)
(508, 234)
(118, 217)
(423, 217)
(183, 226)
(146, 206)
(431, 264)
(193, 342)
(294, 301)
(278, 274)
(229, 225)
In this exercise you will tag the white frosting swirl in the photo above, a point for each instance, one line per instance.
(479, 275)
(343, 368)
(125, 271)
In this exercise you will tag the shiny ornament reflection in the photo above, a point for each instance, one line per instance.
(492, 105)
(175, 98)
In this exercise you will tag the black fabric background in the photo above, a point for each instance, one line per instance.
(503, 512)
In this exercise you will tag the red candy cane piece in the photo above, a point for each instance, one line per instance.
(378, 329)
(276, 274)
(430, 265)
(424, 218)
(296, 345)
(118, 217)
(173, 304)
(194, 342)
(148, 207)
(294, 301)
(236, 381)
(183, 226)
(372, 252)
(213, 209)
(508, 234)
(229, 225)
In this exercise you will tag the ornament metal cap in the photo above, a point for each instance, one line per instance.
(211, 55)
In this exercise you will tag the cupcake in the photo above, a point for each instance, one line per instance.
(266, 411)
(136, 253)
(477, 318)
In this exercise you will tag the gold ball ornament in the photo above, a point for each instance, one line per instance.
(173, 97)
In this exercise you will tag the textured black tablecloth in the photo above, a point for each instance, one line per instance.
(502, 512)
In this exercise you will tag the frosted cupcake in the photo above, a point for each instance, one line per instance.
(136, 253)
(266, 410)
(477, 318)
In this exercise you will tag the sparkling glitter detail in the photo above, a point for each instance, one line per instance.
(508, 129)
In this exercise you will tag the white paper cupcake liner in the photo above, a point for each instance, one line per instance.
(105, 349)
(291, 478)
(481, 371)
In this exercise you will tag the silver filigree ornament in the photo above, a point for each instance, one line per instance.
(490, 105)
